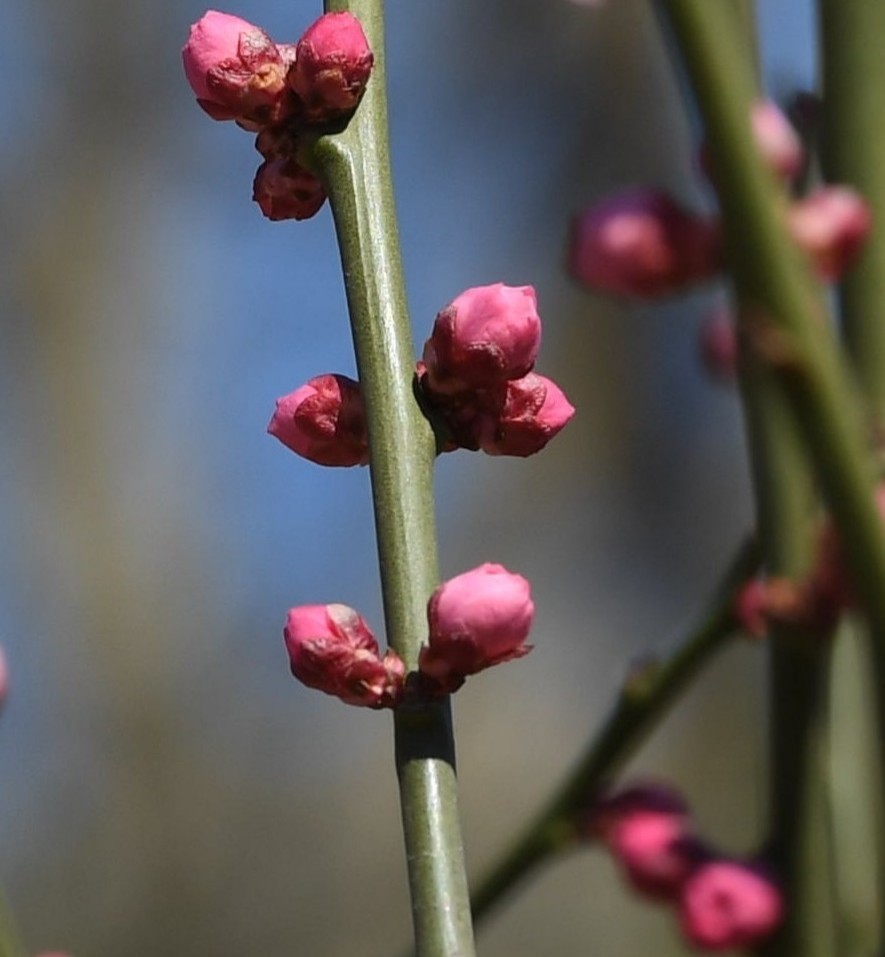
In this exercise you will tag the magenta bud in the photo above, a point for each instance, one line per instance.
(476, 620)
(776, 139)
(486, 336)
(643, 245)
(656, 851)
(236, 71)
(285, 190)
(332, 66)
(332, 649)
(727, 904)
(324, 421)
(533, 411)
(831, 225)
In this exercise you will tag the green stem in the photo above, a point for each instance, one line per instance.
(785, 326)
(852, 39)
(853, 146)
(354, 166)
(642, 702)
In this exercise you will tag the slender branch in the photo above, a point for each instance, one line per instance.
(853, 146)
(355, 168)
(852, 38)
(783, 317)
(11, 944)
(643, 701)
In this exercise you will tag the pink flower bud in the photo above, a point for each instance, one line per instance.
(236, 71)
(476, 620)
(727, 904)
(656, 852)
(534, 409)
(285, 190)
(332, 649)
(487, 335)
(647, 829)
(643, 245)
(778, 142)
(831, 225)
(324, 421)
(332, 66)
(718, 345)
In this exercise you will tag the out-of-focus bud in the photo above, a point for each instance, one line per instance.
(831, 225)
(487, 335)
(236, 71)
(476, 620)
(647, 829)
(718, 345)
(777, 141)
(324, 421)
(534, 409)
(332, 649)
(284, 189)
(643, 245)
(728, 904)
(332, 66)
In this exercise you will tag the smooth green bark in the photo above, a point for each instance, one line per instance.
(355, 168)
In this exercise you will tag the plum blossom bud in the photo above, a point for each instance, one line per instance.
(776, 139)
(831, 225)
(236, 71)
(324, 421)
(476, 620)
(285, 190)
(642, 244)
(487, 335)
(727, 904)
(647, 829)
(332, 66)
(332, 649)
(534, 409)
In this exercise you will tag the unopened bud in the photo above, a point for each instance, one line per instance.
(486, 336)
(831, 225)
(476, 620)
(777, 141)
(236, 71)
(332, 649)
(332, 66)
(285, 190)
(324, 421)
(643, 245)
(534, 409)
(728, 904)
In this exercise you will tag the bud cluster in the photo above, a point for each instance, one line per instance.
(722, 902)
(476, 620)
(283, 92)
(475, 376)
(642, 244)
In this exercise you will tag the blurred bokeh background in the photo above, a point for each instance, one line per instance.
(166, 787)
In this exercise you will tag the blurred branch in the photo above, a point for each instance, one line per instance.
(643, 701)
